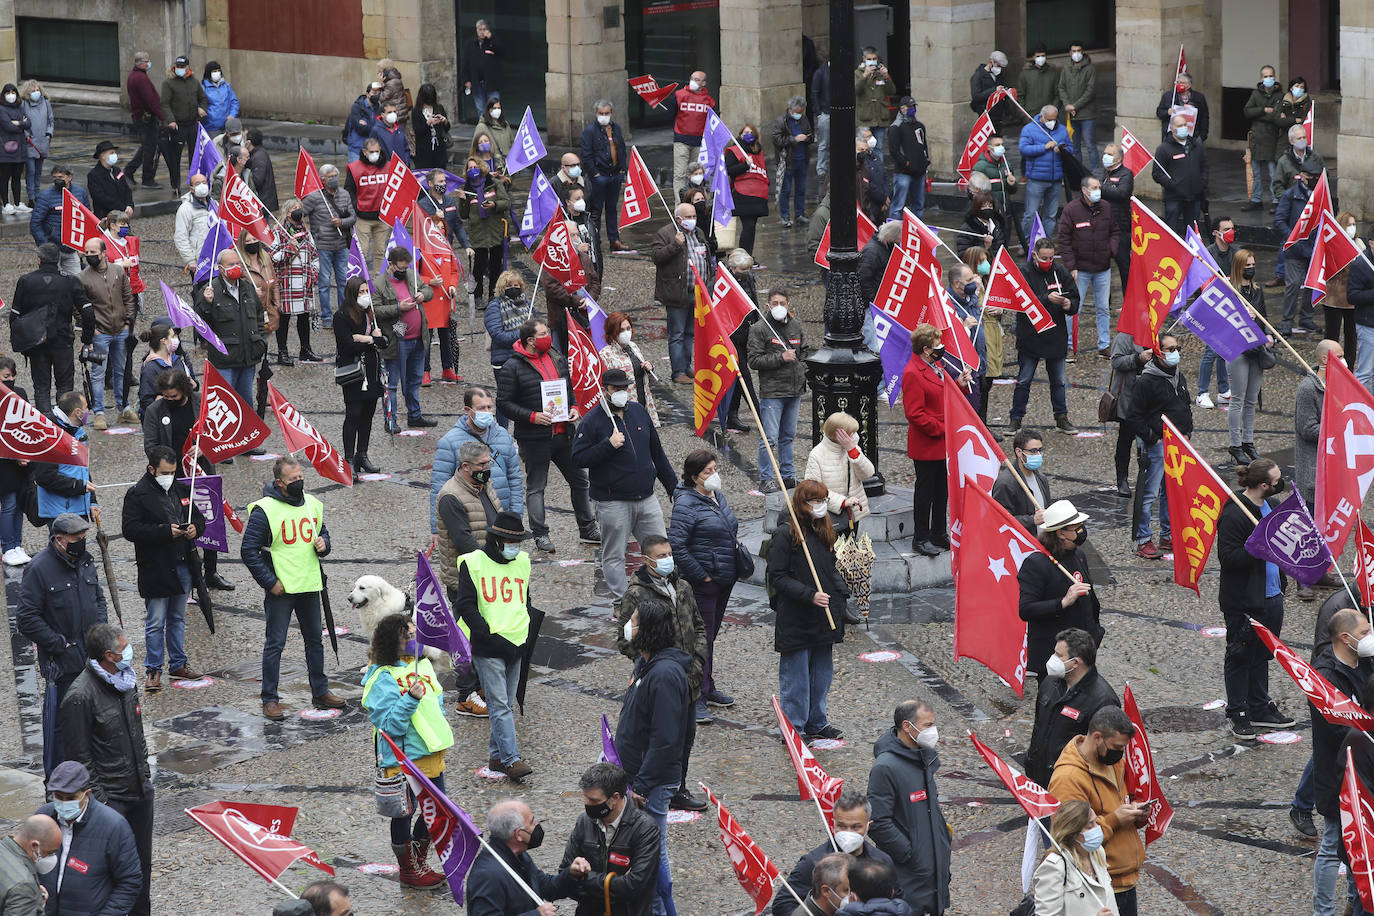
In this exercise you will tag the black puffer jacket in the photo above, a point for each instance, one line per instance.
(1327, 768)
(518, 396)
(1061, 714)
(58, 602)
(239, 322)
(801, 624)
(1241, 589)
(630, 859)
(1187, 165)
(907, 144)
(102, 729)
(1043, 587)
(149, 513)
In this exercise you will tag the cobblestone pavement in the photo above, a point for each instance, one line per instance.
(1231, 848)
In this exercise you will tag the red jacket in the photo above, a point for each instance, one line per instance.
(923, 402)
(690, 121)
(754, 181)
(367, 183)
(143, 96)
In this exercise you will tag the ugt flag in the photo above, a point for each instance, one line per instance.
(207, 491)
(1288, 538)
(1034, 798)
(528, 147)
(257, 834)
(434, 623)
(1357, 831)
(1332, 705)
(227, 425)
(357, 264)
(1141, 780)
(556, 254)
(27, 435)
(608, 752)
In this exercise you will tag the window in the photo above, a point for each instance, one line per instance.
(69, 51)
(1058, 22)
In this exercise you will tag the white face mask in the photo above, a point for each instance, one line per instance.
(111, 158)
(216, 76)
(11, 98)
(1049, 125)
(373, 157)
(236, 139)
(201, 190)
(1350, 231)
(45, 864)
(995, 70)
(698, 178)
(365, 301)
(1054, 667)
(620, 398)
(694, 86)
(819, 510)
(390, 117)
(1040, 60)
(496, 114)
(928, 738)
(998, 152)
(689, 224)
(872, 142)
(165, 481)
(603, 120)
(712, 483)
(849, 841)
(579, 206)
(1107, 160)
(624, 337)
(629, 630)
(1365, 647)
(779, 312)
(1076, 56)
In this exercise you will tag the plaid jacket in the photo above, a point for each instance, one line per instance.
(298, 269)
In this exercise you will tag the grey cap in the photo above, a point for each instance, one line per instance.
(69, 776)
(70, 523)
(232, 125)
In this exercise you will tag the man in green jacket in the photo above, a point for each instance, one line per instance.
(1038, 84)
(184, 101)
(871, 85)
(1266, 130)
(1078, 100)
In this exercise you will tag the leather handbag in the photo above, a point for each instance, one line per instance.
(349, 373)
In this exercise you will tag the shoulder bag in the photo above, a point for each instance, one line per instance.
(392, 792)
(29, 330)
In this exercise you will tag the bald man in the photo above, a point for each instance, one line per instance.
(24, 855)
(677, 248)
(513, 832)
(690, 105)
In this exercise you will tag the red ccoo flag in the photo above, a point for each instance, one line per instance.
(1037, 801)
(300, 435)
(755, 872)
(639, 188)
(1357, 831)
(905, 288)
(402, 188)
(1345, 455)
(79, 225)
(1318, 202)
(1332, 252)
(972, 460)
(1141, 780)
(977, 143)
(813, 782)
(1134, 155)
(266, 847)
(307, 176)
(715, 358)
(1332, 705)
(650, 91)
(729, 302)
(1007, 289)
(1364, 562)
(227, 425)
(1163, 260)
(1196, 495)
(998, 94)
(555, 253)
(27, 435)
(866, 230)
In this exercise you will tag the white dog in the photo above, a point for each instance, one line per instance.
(374, 598)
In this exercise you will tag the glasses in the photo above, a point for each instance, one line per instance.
(1169, 349)
(1034, 451)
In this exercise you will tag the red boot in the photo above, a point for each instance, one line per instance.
(451, 376)
(413, 871)
(433, 876)
(424, 382)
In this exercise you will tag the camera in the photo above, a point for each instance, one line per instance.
(90, 356)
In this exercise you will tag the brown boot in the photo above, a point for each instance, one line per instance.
(434, 876)
(410, 875)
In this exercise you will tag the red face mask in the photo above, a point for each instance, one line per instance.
(1228, 236)
(1044, 265)
(1179, 87)
(544, 344)
(233, 272)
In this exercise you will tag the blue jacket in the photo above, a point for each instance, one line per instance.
(151, 369)
(1039, 163)
(879, 906)
(64, 491)
(702, 532)
(223, 103)
(491, 891)
(391, 710)
(101, 875)
(392, 141)
(1287, 213)
(596, 151)
(45, 224)
(651, 734)
(628, 472)
(257, 540)
(506, 475)
(503, 341)
(360, 118)
(1359, 291)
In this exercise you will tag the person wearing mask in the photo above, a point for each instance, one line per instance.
(777, 348)
(1340, 313)
(1075, 887)
(106, 182)
(993, 165)
(492, 888)
(678, 247)
(606, 160)
(1118, 186)
(1182, 98)
(192, 225)
(1246, 372)
(505, 313)
(654, 732)
(45, 223)
(1298, 310)
(405, 701)
(1221, 252)
(258, 268)
(125, 251)
(390, 135)
(839, 464)
(1091, 769)
(230, 137)
(289, 574)
(908, 824)
(1184, 186)
(542, 439)
(923, 380)
(809, 620)
(792, 139)
(1160, 392)
(1076, 94)
(499, 135)
(1037, 86)
(1266, 130)
(264, 176)
(1086, 239)
(1295, 105)
(145, 108)
(820, 877)
(986, 79)
(740, 264)
(1250, 588)
(873, 187)
(330, 218)
(14, 130)
(429, 124)
(482, 59)
(1028, 449)
(399, 309)
(1128, 358)
(223, 102)
(987, 221)
(617, 842)
(361, 117)
(1291, 161)
(482, 204)
(232, 309)
(1071, 692)
(366, 183)
(563, 306)
(235, 157)
(568, 176)
(1057, 292)
(872, 82)
(184, 100)
(621, 352)
(1050, 603)
(61, 299)
(689, 106)
(30, 851)
(910, 160)
(479, 424)
(297, 266)
(749, 182)
(359, 339)
(1040, 145)
(59, 601)
(394, 92)
(696, 178)
(96, 836)
(112, 303)
(65, 487)
(38, 139)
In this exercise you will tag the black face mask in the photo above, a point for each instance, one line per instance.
(514, 292)
(1248, 273)
(537, 834)
(295, 489)
(76, 548)
(597, 812)
(1279, 487)
(93, 260)
(970, 290)
(252, 247)
(1111, 758)
(297, 215)
(60, 183)
(1081, 537)
(481, 477)
(400, 274)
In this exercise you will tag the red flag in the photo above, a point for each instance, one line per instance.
(401, 190)
(1163, 261)
(240, 208)
(232, 517)
(555, 253)
(953, 333)
(1182, 64)
(300, 435)
(1357, 831)
(1332, 705)
(78, 224)
(998, 94)
(639, 188)
(649, 90)
(1345, 455)
(729, 302)
(1332, 252)
(717, 363)
(905, 287)
(227, 425)
(1141, 780)
(971, 453)
(812, 779)
(987, 623)
(920, 238)
(307, 176)
(1008, 289)
(866, 230)
(976, 145)
(1134, 155)
(1364, 562)
(1196, 496)
(584, 368)
(436, 255)
(755, 872)
(1034, 798)
(1318, 202)
(268, 851)
(27, 435)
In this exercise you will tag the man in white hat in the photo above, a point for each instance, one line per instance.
(1052, 602)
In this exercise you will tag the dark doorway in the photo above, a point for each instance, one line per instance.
(669, 39)
(521, 28)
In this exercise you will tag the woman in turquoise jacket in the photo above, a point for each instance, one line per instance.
(223, 102)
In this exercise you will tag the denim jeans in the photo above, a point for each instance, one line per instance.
(793, 189)
(407, 369)
(110, 346)
(1153, 492)
(619, 518)
(1085, 141)
(335, 263)
(803, 682)
(33, 177)
(1305, 795)
(907, 192)
(779, 416)
(1325, 873)
(822, 144)
(1204, 373)
(1263, 170)
(278, 610)
(1101, 283)
(1042, 197)
(606, 199)
(11, 522)
(240, 378)
(499, 679)
(165, 626)
(1364, 356)
(656, 806)
(1054, 369)
(681, 334)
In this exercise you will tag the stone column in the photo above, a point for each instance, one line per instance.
(586, 63)
(1355, 144)
(949, 38)
(8, 57)
(760, 59)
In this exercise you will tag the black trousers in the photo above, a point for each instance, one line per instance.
(54, 362)
(1340, 325)
(357, 426)
(1124, 440)
(172, 143)
(929, 501)
(147, 133)
(302, 331)
(748, 226)
(139, 814)
(487, 264)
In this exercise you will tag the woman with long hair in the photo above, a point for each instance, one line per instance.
(257, 265)
(841, 467)
(404, 700)
(14, 128)
(39, 110)
(495, 125)
(164, 352)
(1080, 886)
(483, 204)
(298, 273)
(803, 635)
(359, 339)
(1246, 372)
(748, 183)
(621, 352)
(1050, 600)
(429, 119)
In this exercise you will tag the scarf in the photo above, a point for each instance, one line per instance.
(122, 680)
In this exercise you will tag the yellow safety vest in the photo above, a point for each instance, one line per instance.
(293, 531)
(502, 593)
(428, 719)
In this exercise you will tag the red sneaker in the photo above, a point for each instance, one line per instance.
(425, 382)
(1148, 551)
(450, 376)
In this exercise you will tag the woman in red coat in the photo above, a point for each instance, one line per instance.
(923, 385)
(748, 183)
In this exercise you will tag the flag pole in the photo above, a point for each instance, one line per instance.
(801, 904)
(1336, 563)
(828, 832)
(195, 461)
(538, 901)
(285, 890)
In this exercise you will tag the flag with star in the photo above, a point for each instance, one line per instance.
(987, 623)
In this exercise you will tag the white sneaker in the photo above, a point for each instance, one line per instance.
(1223, 397)
(16, 556)
(9, 210)
(1204, 401)
(23, 208)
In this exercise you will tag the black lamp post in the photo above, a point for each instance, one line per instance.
(844, 374)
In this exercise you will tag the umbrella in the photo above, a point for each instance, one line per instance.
(328, 614)
(104, 543)
(536, 621)
(202, 593)
(1074, 173)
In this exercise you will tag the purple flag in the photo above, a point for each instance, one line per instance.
(455, 838)
(208, 494)
(400, 238)
(596, 319)
(714, 139)
(434, 623)
(894, 349)
(528, 147)
(183, 316)
(1037, 233)
(722, 201)
(540, 207)
(1288, 538)
(454, 182)
(1202, 271)
(357, 264)
(608, 752)
(206, 157)
(1221, 319)
(216, 240)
